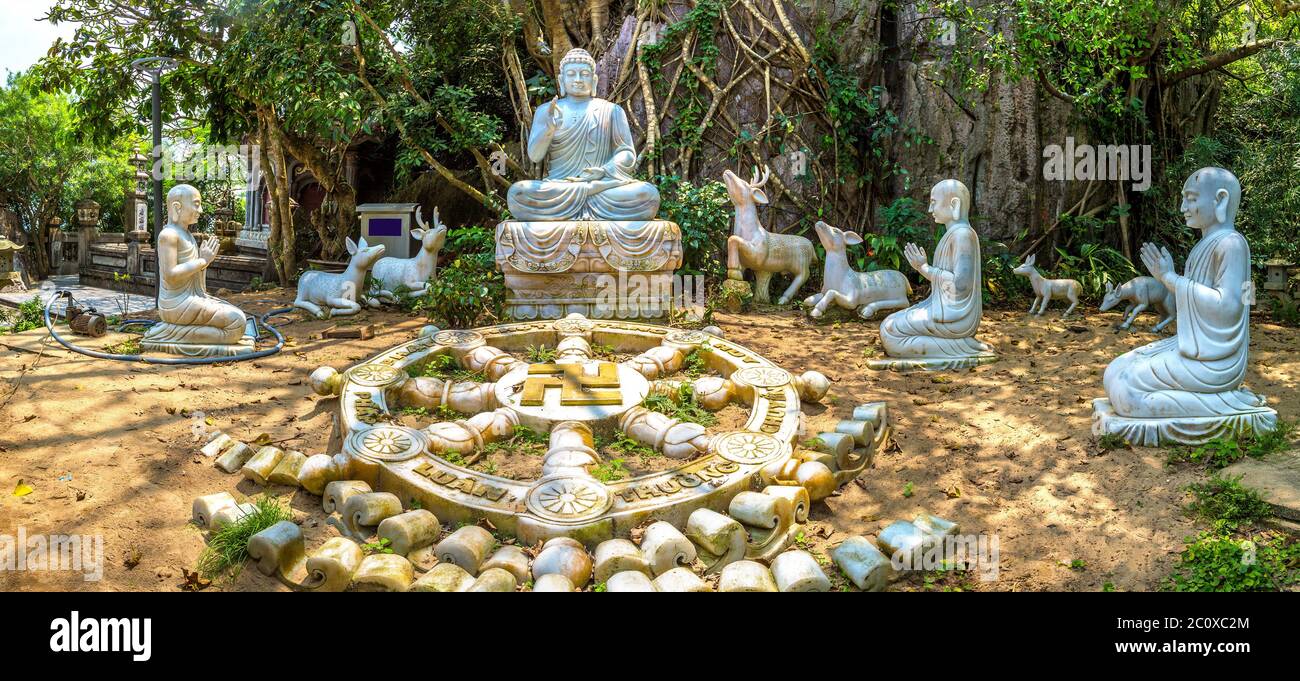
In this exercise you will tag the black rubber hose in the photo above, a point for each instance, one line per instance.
(261, 322)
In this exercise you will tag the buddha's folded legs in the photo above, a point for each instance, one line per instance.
(545, 200)
(200, 321)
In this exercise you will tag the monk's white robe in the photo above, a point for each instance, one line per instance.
(944, 324)
(601, 139)
(188, 313)
(1199, 371)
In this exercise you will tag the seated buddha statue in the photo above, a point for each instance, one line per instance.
(588, 145)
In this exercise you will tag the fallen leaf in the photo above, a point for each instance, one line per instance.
(23, 489)
(194, 582)
(953, 492)
(132, 559)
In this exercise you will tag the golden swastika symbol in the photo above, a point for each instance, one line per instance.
(576, 387)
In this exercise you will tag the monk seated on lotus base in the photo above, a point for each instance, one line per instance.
(1187, 388)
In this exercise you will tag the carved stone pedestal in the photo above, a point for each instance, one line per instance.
(1186, 430)
(598, 268)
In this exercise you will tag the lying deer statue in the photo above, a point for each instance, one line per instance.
(1141, 293)
(752, 247)
(1045, 290)
(868, 292)
(326, 294)
(412, 274)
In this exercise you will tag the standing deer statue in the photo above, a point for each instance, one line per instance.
(326, 294)
(1046, 290)
(752, 247)
(412, 274)
(868, 292)
(1141, 293)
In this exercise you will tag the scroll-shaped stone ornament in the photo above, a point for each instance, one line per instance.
(681, 580)
(465, 397)
(443, 578)
(661, 360)
(467, 547)
(572, 450)
(675, 439)
(206, 507)
(665, 548)
(746, 576)
(383, 572)
(338, 492)
(493, 580)
(278, 552)
(511, 559)
(719, 540)
(286, 471)
(263, 463)
(234, 457)
(320, 470)
(473, 433)
(553, 582)
(769, 521)
(491, 362)
(862, 563)
(405, 532)
(629, 581)
(362, 514)
(798, 571)
(618, 555)
(797, 495)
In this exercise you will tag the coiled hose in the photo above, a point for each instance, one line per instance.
(261, 322)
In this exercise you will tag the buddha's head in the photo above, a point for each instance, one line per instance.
(184, 205)
(1210, 198)
(949, 202)
(578, 74)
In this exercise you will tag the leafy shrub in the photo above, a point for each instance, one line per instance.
(470, 287)
(1094, 265)
(1226, 503)
(703, 212)
(30, 315)
(1225, 451)
(1217, 562)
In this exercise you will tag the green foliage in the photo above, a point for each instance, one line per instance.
(1001, 284)
(1112, 441)
(692, 98)
(227, 547)
(627, 446)
(898, 223)
(1094, 266)
(694, 364)
(681, 406)
(610, 470)
(469, 288)
(30, 315)
(1226, 503)
(541, 354)
(381, 545)
(1218, 562)
(1224, 451)
(445, 367)
(703, 212)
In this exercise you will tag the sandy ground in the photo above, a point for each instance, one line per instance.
(1003, 449)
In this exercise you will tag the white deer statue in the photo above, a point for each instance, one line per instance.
(1141, 293)
(1046, 290)
(411, 274)
(752, 247)
(867, 292)
(329, 294)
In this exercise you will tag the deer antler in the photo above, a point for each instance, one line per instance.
(760, 181)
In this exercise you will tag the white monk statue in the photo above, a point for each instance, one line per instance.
(1187, 388)
(193, 323)
(939, 332)
(589, 145)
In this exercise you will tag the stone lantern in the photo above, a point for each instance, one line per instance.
(136, 218)
(1277, 278)
(87, 227)
(10, 279)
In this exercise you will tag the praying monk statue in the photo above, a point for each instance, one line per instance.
(589, 145)
(939, 332)
(192, 322)
(1187, 388)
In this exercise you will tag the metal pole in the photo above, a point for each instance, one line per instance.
(159, 209)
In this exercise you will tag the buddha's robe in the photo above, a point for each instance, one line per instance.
(1199, 371)
(600, 138)
(188, 314)
(944, 324)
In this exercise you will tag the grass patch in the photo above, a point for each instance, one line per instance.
(130, 346)
(1225, 451)
(445, 367)
(1111, 441)
(693, 364)
(541, 354)
(681, 406)
(626, 446)
(1226, 504)
(227, 548)
(611, 470)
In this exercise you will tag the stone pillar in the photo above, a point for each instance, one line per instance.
(53, 229)
(134, 239)
(87, 230)
(136, 214)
